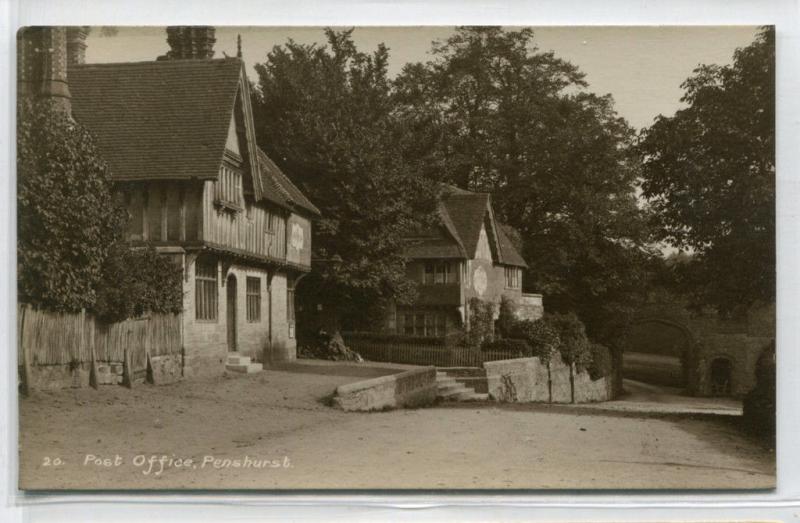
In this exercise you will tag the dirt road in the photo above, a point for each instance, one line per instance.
(275, 427)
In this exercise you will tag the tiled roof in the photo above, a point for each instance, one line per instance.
(433, 248)
(463, 214)
(279, 188)
(158, 120)
(467, 212)
(508, 253)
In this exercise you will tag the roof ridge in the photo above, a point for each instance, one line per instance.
(154, 62)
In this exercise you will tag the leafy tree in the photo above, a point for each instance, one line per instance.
(66, 217)
(492, 113)
(325, 115)
(709, 175)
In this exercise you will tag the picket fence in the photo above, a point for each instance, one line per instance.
(420, 351)
(53, 338)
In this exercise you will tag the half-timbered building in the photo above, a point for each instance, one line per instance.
(467, 255)
(178, 136)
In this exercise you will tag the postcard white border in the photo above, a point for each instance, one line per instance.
(783, 503)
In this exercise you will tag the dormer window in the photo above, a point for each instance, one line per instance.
(228, 193)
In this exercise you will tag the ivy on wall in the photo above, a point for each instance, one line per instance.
(71, 250)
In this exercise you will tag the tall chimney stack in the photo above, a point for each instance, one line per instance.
(76, 44)
(190, 42)
(42, 62)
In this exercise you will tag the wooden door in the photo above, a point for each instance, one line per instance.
(232, 313)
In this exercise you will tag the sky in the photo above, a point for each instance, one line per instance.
(641, 67)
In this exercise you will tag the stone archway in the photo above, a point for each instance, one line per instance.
(657, 351)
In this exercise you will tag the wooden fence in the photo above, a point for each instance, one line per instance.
(422, 351)
(52, 338)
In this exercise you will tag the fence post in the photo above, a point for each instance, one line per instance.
(127, 370)
(93, 371)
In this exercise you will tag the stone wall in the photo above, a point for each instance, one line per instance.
(529, 380)
(206, 341)
(522, 379)
(55, 377)
(407, 389)
(740, 350)
(588, 390)
(560, 382)
(164, 369)
(530, 307)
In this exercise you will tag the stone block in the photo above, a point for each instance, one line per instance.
(412, 388)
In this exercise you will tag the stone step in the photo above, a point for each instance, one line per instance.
(463, 372)
(238, 359)
(445, 381)
(249, 368)
(473, 396)
(454, 393)
(455, 387)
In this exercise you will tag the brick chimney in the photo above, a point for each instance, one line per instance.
(190, 41)
(76, 44)
(42, 64)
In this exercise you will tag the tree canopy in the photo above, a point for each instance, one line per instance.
(325, 115)
(709, 175)
(491, 112)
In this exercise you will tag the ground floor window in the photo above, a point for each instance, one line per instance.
(206, 289)
(421, 323)
(253, 299)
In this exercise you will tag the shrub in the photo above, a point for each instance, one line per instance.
(481, 323)
(542, 339)
(573, 345)
(66, 217)
(511, 345)
(759, 404)
(602, 363)
(507, 318)
(138, 281)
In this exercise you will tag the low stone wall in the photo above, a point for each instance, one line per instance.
(530, 380)
(412, 388)
(522, 379)
(166, 369)
(109, 373)
(55, 377)
(588, 390)
(560, 382)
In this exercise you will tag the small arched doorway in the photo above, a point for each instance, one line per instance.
(232, 313)
(720, 374)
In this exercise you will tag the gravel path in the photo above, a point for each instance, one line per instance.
(276, 426)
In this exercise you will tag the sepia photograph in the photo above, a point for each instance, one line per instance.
(440, 258)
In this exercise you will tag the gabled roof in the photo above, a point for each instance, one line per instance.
(463, 214)
(160, 119)
(279, 189)
(467, 212)
(507, 252)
